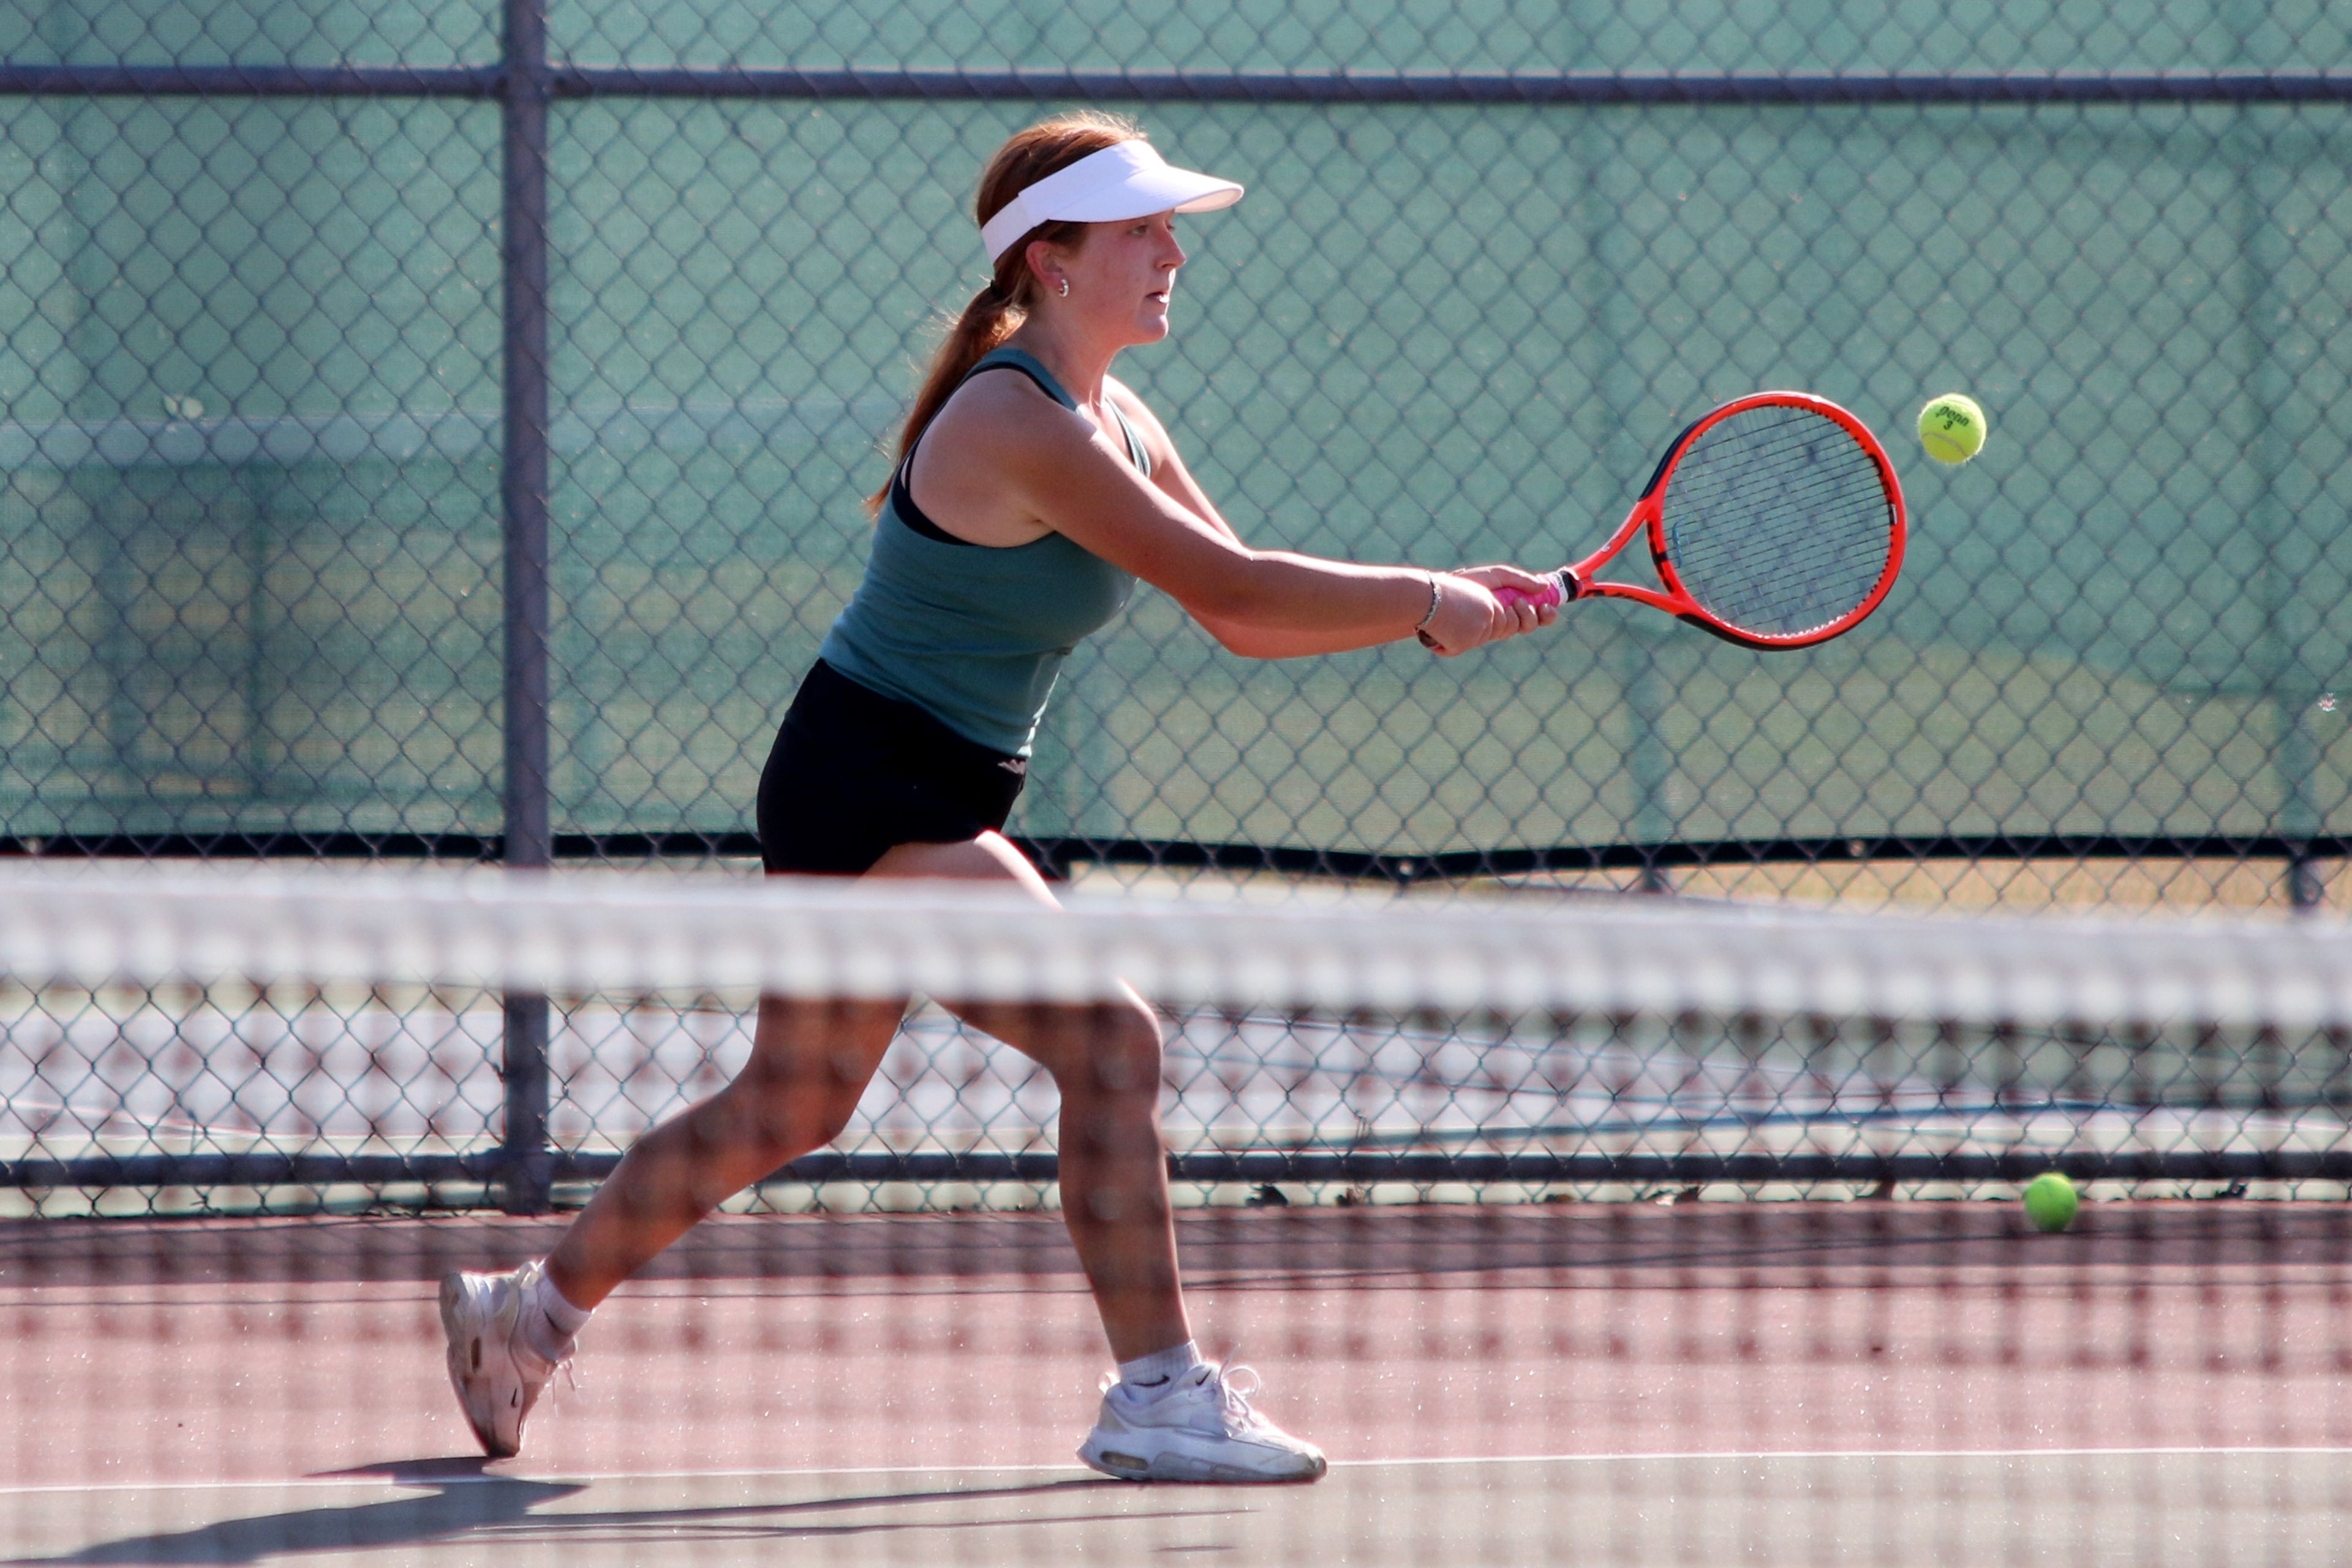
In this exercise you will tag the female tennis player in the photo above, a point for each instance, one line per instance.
(1031, 490)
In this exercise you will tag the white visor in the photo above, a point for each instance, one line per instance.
(1129, 180)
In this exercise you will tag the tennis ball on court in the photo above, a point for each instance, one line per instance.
(1952, 429)
(2050, 1201)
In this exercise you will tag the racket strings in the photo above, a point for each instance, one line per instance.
(1777, 520)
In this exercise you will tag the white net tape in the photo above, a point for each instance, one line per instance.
(605, 934)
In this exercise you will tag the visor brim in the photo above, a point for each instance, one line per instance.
(1149, 190)
(1129, 180)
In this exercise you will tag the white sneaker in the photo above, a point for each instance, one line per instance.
(496, 1373)
(1201, 1430)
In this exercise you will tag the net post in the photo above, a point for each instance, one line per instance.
(527, 840)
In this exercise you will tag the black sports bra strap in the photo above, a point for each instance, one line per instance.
(1027, 364)
(902, 494)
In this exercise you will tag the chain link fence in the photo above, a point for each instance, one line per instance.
(436, 429)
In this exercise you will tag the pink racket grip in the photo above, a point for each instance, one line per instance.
(1553, 591)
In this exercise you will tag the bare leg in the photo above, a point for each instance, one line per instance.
(1105, 1059)
(810, 1063)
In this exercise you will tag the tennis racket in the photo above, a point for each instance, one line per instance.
(1775, 521)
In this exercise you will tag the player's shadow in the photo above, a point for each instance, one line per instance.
(470, 1507)
(463, 1500)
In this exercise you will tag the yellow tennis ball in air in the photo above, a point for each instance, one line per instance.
(1952, 429)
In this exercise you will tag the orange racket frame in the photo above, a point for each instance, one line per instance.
(1649, 515)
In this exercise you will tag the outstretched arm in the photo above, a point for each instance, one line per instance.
(1279, 635)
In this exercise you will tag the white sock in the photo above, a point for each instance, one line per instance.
(1147, 1377)
(550, 1324)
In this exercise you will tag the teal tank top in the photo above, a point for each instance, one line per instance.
(972, 634)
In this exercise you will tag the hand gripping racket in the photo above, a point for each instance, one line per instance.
(1775, 521)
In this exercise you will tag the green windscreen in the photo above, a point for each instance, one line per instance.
(249, 421)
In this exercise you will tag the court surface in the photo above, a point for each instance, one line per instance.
(1868, 1382)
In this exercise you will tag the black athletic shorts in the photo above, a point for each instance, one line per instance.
(853, 772)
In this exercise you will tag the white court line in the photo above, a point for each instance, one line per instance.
(1714, 1457)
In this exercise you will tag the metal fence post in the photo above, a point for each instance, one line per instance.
(2286, 684)
(523, 99)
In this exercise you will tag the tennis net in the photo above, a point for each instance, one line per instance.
(1605, 1231)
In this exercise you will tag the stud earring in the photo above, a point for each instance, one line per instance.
(1065, 287)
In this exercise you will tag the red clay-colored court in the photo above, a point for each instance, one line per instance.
(1868, 1382)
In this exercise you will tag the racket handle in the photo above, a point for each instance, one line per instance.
(1553, 591)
